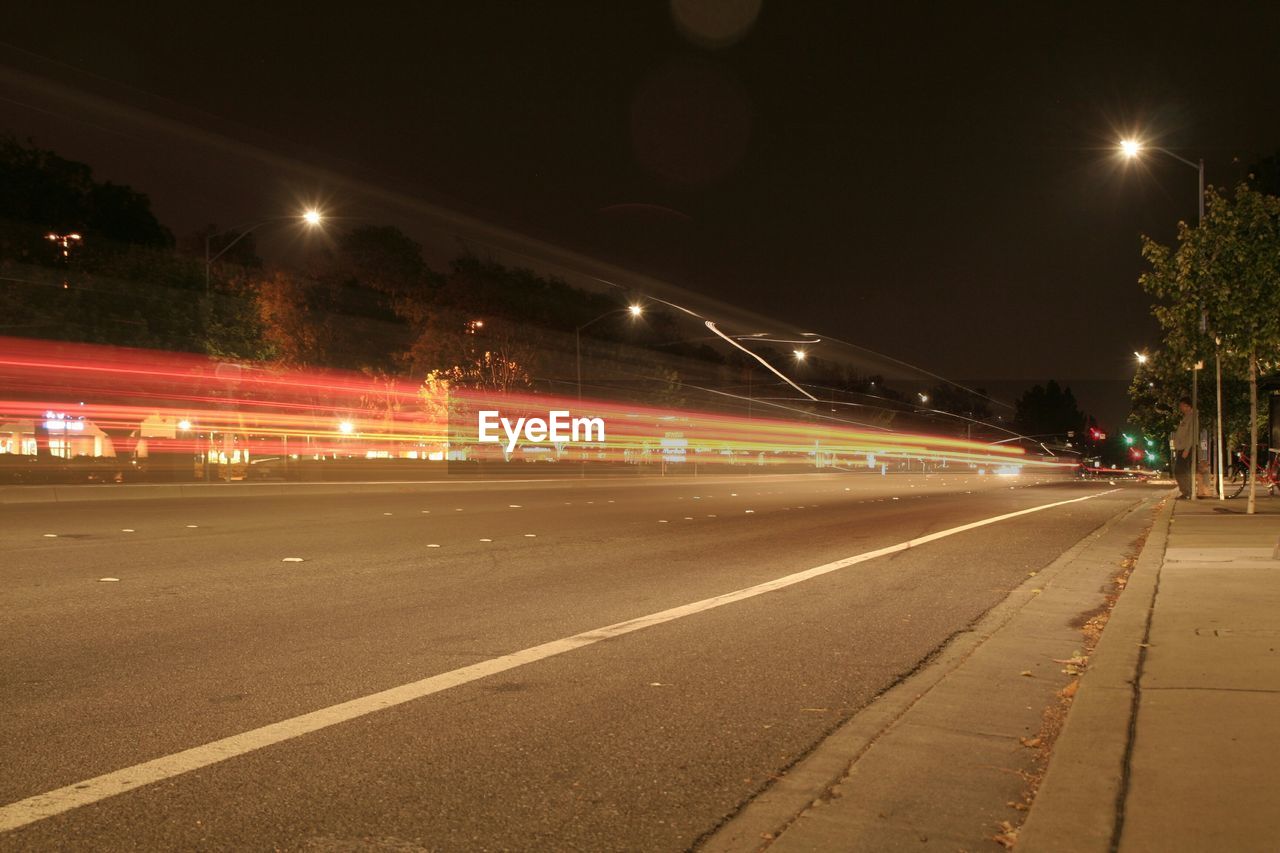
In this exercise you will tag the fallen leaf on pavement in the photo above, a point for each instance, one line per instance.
(1007, 837)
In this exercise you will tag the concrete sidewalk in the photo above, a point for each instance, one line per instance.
(1173, 743)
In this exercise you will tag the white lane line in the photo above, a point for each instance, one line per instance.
(59, 800)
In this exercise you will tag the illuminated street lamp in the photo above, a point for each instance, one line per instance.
(1141, 356)
(800, 354)
(311, 217)
(65, 241)
(1131, 148)
(634, 309)
(346, 427)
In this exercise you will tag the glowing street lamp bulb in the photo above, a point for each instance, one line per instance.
(1141, 356)
(636, 310)
(312, 217)
(924, 398)
(346, 427)
(1130, 147)
(184, 425)
(801, 355)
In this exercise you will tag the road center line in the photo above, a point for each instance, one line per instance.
(57, 801)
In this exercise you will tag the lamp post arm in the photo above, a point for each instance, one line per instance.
(1182, 159)
(244, 231)
(598, 319)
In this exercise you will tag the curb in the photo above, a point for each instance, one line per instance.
(1076, 808)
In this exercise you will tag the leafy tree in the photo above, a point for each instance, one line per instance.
(960, 401)
(46, 192)
(1264, 176)
(1048, 410)
(384, 259)
(1220, 289)
(290, 330)
(1158, 385)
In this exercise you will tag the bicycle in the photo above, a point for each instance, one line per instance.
(1268, 475)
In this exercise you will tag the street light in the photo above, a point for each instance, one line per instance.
(1131, 148)
(634, 309)
(800, 354)
(66, 241)
(1142, 357)
(311, 217)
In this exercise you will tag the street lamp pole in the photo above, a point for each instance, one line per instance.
(311, 217)
(1131, 148)
(634, 310)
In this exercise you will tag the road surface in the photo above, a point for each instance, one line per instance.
(640, 737)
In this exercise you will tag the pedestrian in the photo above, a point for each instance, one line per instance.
(1183, 440)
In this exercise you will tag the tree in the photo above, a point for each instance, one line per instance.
(957, 400)
(290, 330)
(1162, 380)
(45, 192)
(1220, 290)
(1048, 410)
(1264, 176)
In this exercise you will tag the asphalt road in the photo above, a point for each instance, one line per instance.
(645, 741)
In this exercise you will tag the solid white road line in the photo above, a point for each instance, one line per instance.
(98, 788)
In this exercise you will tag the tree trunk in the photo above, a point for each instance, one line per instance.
(1253, 434)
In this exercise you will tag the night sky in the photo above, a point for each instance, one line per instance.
(933, 181)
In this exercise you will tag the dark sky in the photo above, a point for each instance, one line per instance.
(934, 181)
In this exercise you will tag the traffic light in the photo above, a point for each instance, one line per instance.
(1128, 439)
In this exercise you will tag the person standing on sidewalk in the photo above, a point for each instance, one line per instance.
(1183, 439)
